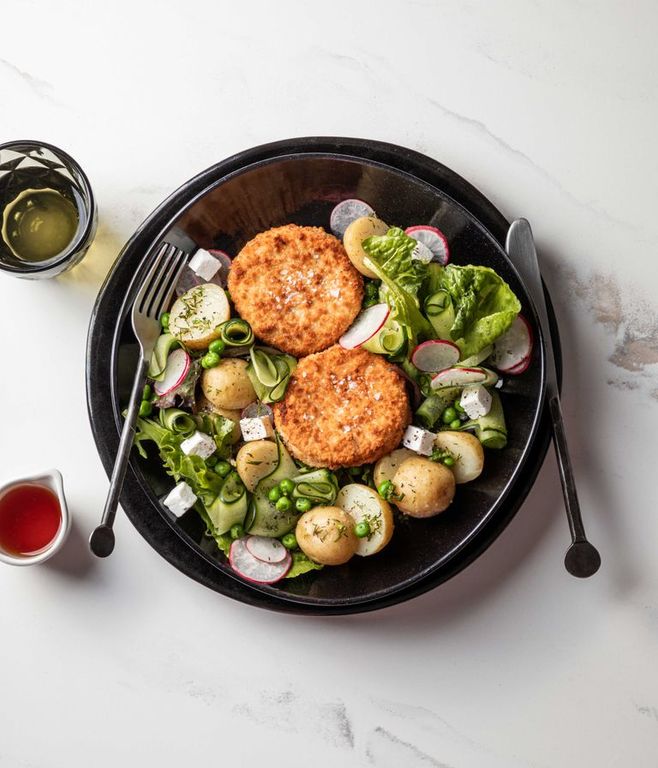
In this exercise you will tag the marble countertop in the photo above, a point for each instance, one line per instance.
(550, 108)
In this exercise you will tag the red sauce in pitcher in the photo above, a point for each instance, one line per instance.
(30, 517)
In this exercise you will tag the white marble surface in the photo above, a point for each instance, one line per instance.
(551, 109)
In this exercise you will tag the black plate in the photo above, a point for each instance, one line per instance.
(300, 181)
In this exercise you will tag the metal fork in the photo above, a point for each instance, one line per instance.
(152, 299)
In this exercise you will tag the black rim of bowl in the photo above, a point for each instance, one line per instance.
(399, 159)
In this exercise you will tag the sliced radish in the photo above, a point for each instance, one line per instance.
(346, 212)
(436, 355)
(522, 367)
(434, 239)
(366, 325)
(252, 569)
(458, 377)
(422, 253)
(514, 346)
(266, 549)
(178, 365)
(225, 260)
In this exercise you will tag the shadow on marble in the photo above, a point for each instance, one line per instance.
(74, 560)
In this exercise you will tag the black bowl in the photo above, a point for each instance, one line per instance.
(300, 181)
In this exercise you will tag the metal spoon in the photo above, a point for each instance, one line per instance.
(582, 558)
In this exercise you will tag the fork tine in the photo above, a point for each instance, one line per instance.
(149, 277)
(158, 279)
(163, 276)
(167, 294)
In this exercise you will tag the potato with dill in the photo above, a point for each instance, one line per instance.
(194, 318)
(423, 488)
(326, 535)
(228, 386)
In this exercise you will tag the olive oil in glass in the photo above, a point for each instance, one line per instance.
(38, 224)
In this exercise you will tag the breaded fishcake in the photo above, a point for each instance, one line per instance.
(343, 408)
(296, 287)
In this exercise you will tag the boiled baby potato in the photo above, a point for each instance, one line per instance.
(326, 535)
(365, 505)
(227, 385)
(423, 488)
(387, 466)
(355, 234)
(256, 460)
(203, 405)
(194, 318)
(467, 451)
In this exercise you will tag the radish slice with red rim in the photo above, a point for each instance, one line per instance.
(522, 367)
(366, 325)
(422, 253)
(459, 377)
(266, 549)
(252, 569)
(221, 275)
(514, 346)
(433, 239)
(346, 212)
(435, 355)
(177, 368)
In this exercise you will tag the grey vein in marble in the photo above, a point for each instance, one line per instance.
(41, 87)
(631, 321)
(385, 749)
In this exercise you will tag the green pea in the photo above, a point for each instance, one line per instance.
(354, 471)
(210, 360)
(303, 504)
(456, 424)
(222, 468)
(289, 541)
(164, 320)
(448, 461)
(274, 494)
(284, 504)
(217, 346)
(145, 408)
(450, 414)
(362, 529)
(211, 461)
(458, 407)
(147, 392)
(287, 486)
(385, 489)
(237, 531)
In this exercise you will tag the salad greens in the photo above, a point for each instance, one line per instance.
(484, 305)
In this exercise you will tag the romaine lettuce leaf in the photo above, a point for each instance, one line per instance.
(301, 565)
(389, 257)
(484, 304)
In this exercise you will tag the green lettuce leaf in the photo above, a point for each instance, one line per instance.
(301, 565)
(389, 257)
(205, 483)
(484, 304)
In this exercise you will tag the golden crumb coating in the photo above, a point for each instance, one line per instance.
(296, 287)
(343, 408)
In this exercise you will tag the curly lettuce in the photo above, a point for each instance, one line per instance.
(484, 306)
(389, 257)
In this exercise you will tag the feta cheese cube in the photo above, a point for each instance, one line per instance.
(180, 499)
(476, 401)
(258, 428)
(204, 264)
(199, 444)
(419, 440)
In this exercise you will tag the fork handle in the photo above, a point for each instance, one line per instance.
(125, 444)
